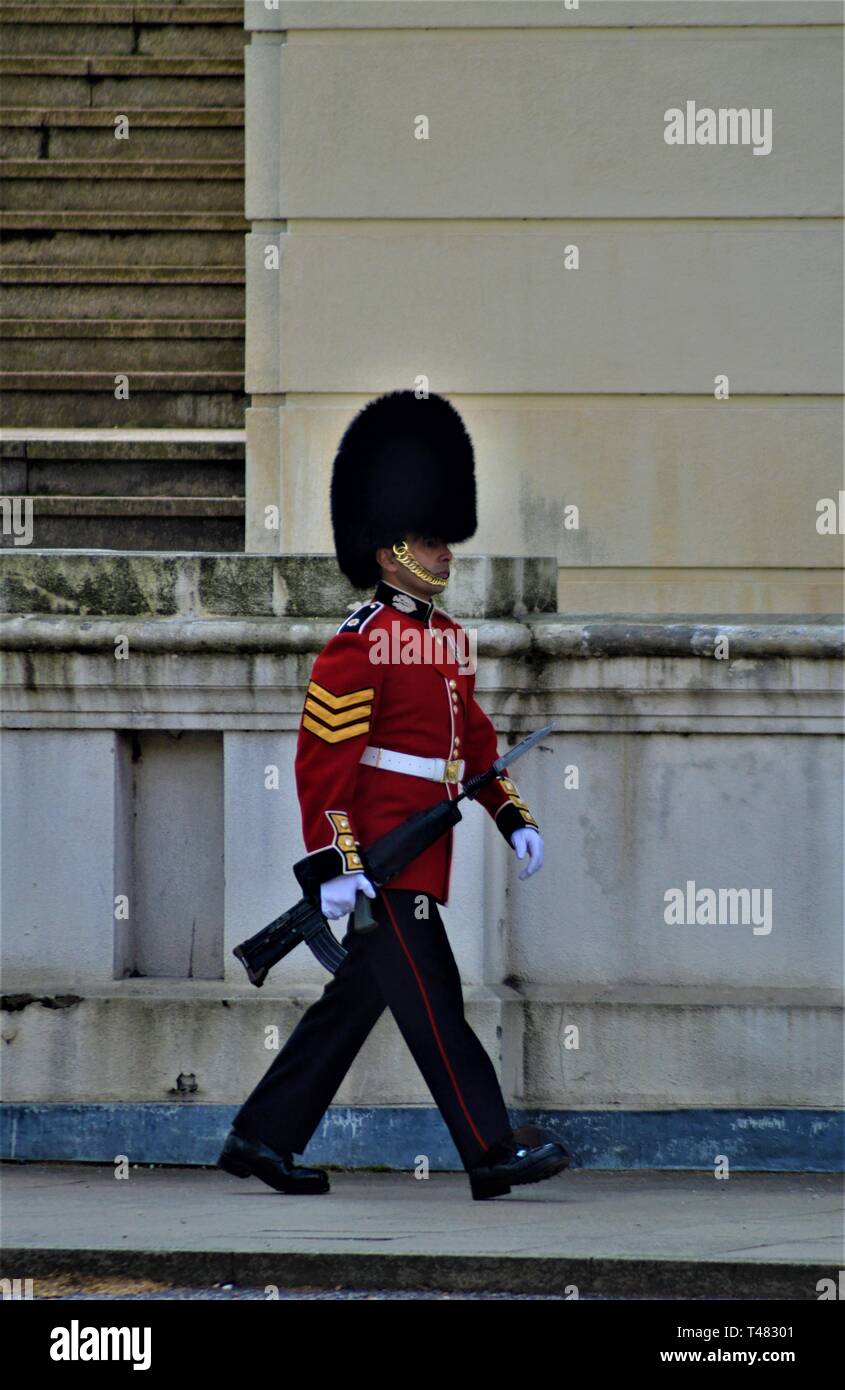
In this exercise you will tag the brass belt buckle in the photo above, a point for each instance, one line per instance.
(452, 771)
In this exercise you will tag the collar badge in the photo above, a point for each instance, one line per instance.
(404, 603)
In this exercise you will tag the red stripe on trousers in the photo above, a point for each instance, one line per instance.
(403, 944)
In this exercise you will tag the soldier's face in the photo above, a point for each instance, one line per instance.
(432, 552)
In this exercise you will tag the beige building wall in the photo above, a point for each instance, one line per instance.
(645, 339)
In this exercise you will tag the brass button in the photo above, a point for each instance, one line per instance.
(453, 684)
(457, 740)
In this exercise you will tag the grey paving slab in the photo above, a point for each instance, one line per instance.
(751, 1235)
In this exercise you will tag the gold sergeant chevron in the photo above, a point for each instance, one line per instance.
(338, 717)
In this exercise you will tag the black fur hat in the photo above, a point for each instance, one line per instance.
(403, 465)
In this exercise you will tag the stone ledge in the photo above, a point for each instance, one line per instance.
(785, 637)
(155, 584)
(777, 635)
(281, 636)
(439, 15)
(23, 989)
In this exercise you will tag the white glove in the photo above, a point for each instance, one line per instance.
(337, 895)
(531, 840)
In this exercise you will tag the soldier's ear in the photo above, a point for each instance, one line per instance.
(385, 557)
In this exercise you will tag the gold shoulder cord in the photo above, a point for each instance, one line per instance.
(405, 558)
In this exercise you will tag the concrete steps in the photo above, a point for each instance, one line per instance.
(107, 345)
(137, 523)
(127, 489)
(123, 258)
(164, 242)
(118, 294)
(120, 82)
(204, 400)
(110, 30)
(55, 133)
(135, 186)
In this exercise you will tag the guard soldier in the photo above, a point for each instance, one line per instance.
(390, 725)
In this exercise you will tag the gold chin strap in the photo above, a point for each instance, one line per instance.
(405, 558)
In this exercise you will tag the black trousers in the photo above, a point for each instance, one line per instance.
(407, 965)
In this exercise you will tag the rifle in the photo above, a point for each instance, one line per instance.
(385, 858)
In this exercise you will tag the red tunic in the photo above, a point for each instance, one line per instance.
(361, 694)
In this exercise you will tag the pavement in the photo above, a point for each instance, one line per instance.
(583, 1233)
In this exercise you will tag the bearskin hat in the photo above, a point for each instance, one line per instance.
(404, 464)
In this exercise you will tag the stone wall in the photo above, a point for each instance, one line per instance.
(669, 764)
(378, 259)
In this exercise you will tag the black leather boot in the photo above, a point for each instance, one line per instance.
(530, 1154)
(250, 1158)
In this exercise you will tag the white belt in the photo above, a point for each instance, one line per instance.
(432, 769)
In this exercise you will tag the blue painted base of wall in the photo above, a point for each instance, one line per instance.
(393, 1136)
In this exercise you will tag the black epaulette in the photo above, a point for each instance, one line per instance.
(359, 619)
